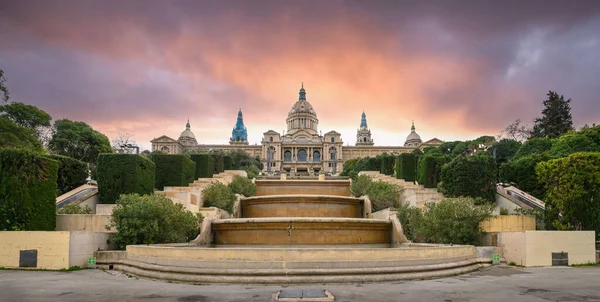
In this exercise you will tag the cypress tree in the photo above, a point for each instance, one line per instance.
(556, 117)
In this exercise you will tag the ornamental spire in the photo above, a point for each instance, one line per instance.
(412, 129)
(363, 120)
(302, 93)
(187, 125)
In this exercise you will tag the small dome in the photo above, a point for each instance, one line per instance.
(302, 106)
(413, 136)
(187, 133)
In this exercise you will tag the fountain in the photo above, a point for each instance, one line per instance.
(296, 231)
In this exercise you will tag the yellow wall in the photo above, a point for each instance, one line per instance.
(83, 222)
(508, 223)
(52, 248)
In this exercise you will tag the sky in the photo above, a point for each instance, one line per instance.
(460, 69)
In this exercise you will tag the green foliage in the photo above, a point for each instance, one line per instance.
(152, 219)
(175, 170)
(386, 164)
(219, 165)
(430, 170)
(540, 216)
(15, 136)
(211, 166)
(252, 171)
(472, 176)
(3, 90)
(242, 185)
(505, 149)
(556, 117)
(350, 168)
(534, 146)
(383, 195)
(360, 184)
(27, 191)
(572, 194)
(572, 142)
(74, 209)
(406, 167)
(450, 221)
(27, 116)
(227, 163)
(78, 140)
(123, 174)
(202, 165)
(218, 195)
(72, 173)
(504, 211)
(521, 172)
(592, 133)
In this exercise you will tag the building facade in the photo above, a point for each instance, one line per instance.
(301, 148)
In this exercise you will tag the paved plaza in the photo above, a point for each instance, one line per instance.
(494, 284)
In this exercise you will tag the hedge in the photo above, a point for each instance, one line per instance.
(386, 163)
(227, 163)
(173, 170)
(430, 170)
(27, 191)
(203, 165)
(211, 166)
(218, 163)
(72, 173)
(123, 174)
(472, 176)
(406, 167)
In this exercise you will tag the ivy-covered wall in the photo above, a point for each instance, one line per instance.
(27, 191)
(123, 174)
(72, 173)
(173, 170)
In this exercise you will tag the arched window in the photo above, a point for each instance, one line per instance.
(332, 140)
(271, 139)
(287, 156)
(165, 149)
(316, 156)
(302, 155)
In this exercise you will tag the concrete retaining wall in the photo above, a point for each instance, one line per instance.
(508, 223)
(83, 223)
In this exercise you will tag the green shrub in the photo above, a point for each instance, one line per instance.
(570, 143)
(123, 174)
(218, 163)
(252, 171)
(227, 163)
(27, 191)
(202, 165)
(173, 170)
(74, 209)
(242, 185)
(383, 195)
(218, 195)
(152, 219)
(504, 211)
(406, 167)
(211, 166)
(470, 176)
(72, 173)
(534, 146)
(360, 184)
(450, 221)
(430, 170)
(521, 172)
(386, 164)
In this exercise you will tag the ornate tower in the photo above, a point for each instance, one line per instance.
(302, 118)
(413, 139)
(363, 135)
(239, 134)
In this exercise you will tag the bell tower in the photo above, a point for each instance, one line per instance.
(363, 135)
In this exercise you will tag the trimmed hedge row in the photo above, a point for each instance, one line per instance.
(386, 163)
(472, 176)
(27, 191)
(219, 166)
(173, 170)
(406, 167)
(123, 174)
(227, 163)
(430, 170)
(204, 167)
(72, 173)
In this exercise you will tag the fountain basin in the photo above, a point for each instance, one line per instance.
(302, 206)
(301, 231)
(322, 187)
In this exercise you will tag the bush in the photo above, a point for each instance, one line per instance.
(360, 184)
(450, 221)
(218, 195)
(123, 174)
(383, 195)
(472, 176)
(521, 172)
(173, 170)
(218, 164)
(72, 173)
(252, 171)
(386, 164)
(152, 219)
(27, 191)
(406, 167)
(74, 209)
(534, 146)
(242, 185)
(202, 165)
(430, 170)
(227, 163)
(570, 143)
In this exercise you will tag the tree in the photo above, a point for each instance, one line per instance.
(572, 142)
(521, 172)
(516, 131)
(573, 195)
(3, 90)
(504, 150)
(556, 117)
(534, 146)
(151, 219)
(470, 176)
(121, 141)
(78, 140)
(27, 116)
(15, 136)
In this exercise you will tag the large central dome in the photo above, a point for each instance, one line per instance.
(302, 116)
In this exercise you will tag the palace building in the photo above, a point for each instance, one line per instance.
(301, 148)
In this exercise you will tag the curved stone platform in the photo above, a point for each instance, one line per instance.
(302, 206)
(292, 264)
(301, 230)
